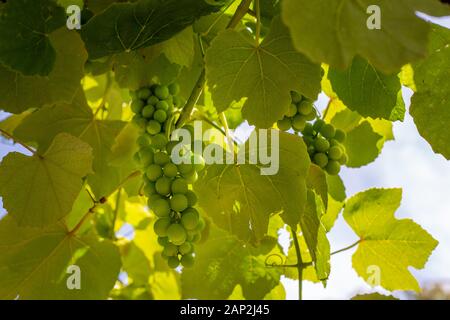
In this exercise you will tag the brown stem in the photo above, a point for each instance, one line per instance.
(9, 136)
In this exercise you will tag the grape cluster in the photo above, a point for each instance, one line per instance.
(325, 146)
(168, 186)
(300, 112)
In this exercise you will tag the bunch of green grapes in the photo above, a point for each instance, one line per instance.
(300, 112)
(168, 186)
(325, 146)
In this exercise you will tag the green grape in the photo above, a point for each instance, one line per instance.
(144, 140)
(198, 162)
(321, 144)
(305, 107)
(161, 207)
(334, 142)
(344, 159)
(311, 116)
(170, 250)
(140, 122)
(159, 141)
(162, 92)
(162, 105)
(318, 125)
(192, 198)
(163, 241)
(308, 130)
(174, 89)
(149, 189)
(153, 172)
(173, 262)
(196, 238)
(185, 248)
(148, 111)
(176, 233)
(178, 202)
(177, 101)
(185, 168)
(190, 219)
(153, 100)
(333, 167)
(170, 145)
(320, 159)
(179, 185)
(340, 135)
(144, 93)
(170, 170)
(153, 127)
(335, 153)
(284, 124)
(191, 177)
(161, 226)
(311, 150)
(328, 131)
(292, 111)
(160, 116)
(296, 97)
(153, 198)
(201, 225)
(298, 123)
(137, 106)
(146, 156)
(137, 158)
(161, 158)
(162, 186)
(187, 260)
(309, 140)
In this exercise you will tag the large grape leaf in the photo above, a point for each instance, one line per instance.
(25, 26)
(19, 93)
(223, 262)
(125, 27)
(180, 48)
(34, 263)
(364, 89)
(78, 120)
(241, 200)
(237, 67)
(430, 106)
(39, 190)
(387, 243)
(334, 31)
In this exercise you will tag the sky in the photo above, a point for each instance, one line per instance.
(408, 163)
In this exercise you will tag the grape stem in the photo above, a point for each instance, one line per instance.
(223, 120)
(300, 265)
(112, 234)
(346, 248)
(202, 117)
(258, 21)
(11, 137)
(186, 113)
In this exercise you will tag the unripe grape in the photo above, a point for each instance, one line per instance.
(174, 89)
(344, 159)
(146, 156)
(192, 198)
(137, 158)
(170, 145)
(162, 92)
(328, 131)
(334, 143)
(198, 162)
(170, 250)
(318, 125)
(162, 105)
(191, 177)
(153, 127)
(153, 172)
(296, 97)
(178, 202)
(153, 100)
(190, 219)
(320, 159)
(173, 262)
(161, 226)
(140, 122)
(161, 158)
(149, 189)
(340, 135)
(292, 111)
(148, 111)
(305, 107)
(144, 140)
(309, 141)
(137, 106)
(311, 150)
(163, 241)
(163, 186)
(335, 153)
(159, 141)
(160, 116)
(176, 233)
(170, 170)
(321, 144)
(201, 225)
(311, 116)
(284, 124)
(179, 185)
(185, 248)
(161, 207)
(144, 93)
(196, 238)
(185, 168)
(187, 260)
(177, 101)
(298, 123)
(308, 130)
(333, 167)
(153, 198)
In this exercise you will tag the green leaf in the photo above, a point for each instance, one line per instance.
(429, 105)
(223, 262)
(364, 89)
(34, 263)
(125, 27)
(78, 120)
(40, 190)
(386, 243)
(24, 43)
(239, 199)
(237, 67)
(335, 31)
(19, 93)
(336, 198)
(361, 145)
(180, 48)
(317, 181)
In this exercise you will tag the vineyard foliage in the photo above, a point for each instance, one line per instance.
(92, 109)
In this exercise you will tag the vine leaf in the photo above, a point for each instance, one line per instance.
(180, 48)
(34, 263)
(223, 262)
(241, 200)
(24, 43)
(387, 243)
(19, 93)
(335, 31)
(237, 67)
(41, 189)
(125, 27)
(430, 104)
(367, 91)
